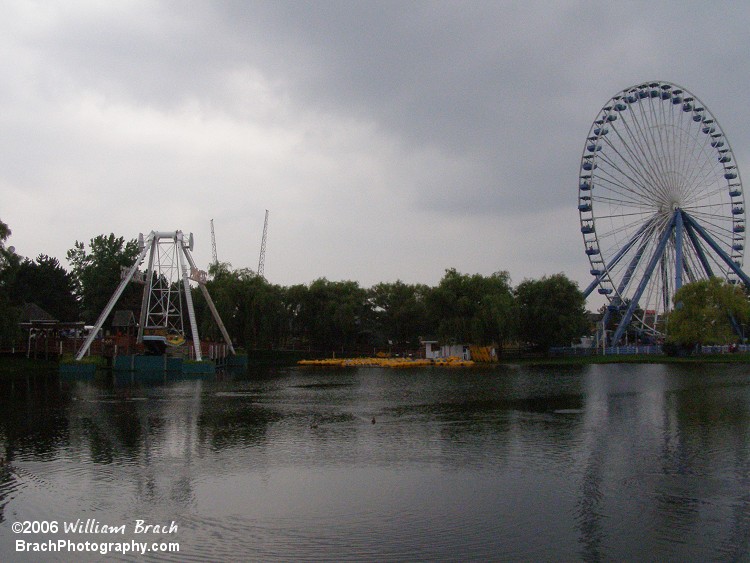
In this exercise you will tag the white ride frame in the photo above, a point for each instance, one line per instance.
(170, 262)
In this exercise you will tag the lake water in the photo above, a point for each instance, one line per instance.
(601, 462)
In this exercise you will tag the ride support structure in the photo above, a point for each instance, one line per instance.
(262, 255)
(166, 292)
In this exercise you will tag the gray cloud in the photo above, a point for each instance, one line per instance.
(389, 139)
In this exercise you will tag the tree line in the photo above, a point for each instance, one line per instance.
(323, 315)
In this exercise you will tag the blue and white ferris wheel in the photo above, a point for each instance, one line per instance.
(660, 202)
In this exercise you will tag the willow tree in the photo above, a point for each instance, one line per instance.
(9, 314)
(472, 308)
(710, 311)
(551, 311)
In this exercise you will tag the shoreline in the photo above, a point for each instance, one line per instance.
(735, 358)
(16, 365)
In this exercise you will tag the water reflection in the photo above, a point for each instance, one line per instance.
(658, 444)
(592, 463)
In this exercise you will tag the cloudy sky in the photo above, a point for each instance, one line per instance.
(389, 140)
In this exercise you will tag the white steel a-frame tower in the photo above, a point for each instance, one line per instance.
(166, 292)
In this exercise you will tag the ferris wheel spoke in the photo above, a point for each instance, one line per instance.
(703, 176)
(616, 186)
(703, 166)
(639, 146)
(631, 180)
(636, 162)
(713, 196)
(620, 239)
(617, 179)
(639, 214)
(622, 202)
(714, 225)
(640, 119)
(616, 233)
(632, 143)
(672, 141)
(614, 244)
(652, 143)
(619, 220)
(709, 212)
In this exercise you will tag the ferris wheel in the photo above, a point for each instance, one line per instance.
(660, 203)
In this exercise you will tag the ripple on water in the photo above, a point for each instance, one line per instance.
(42, 481)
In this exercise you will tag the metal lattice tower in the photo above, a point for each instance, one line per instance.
(262, 257)
(162, 306)
(213, 245)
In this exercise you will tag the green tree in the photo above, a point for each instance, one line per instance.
(252, 309)
(10, 316)
(472, 308)
(226, 290)
(218, 269)
(399, 313)
(451, 306)
(705, 312)
(293, 300)
(46, 283)
(262, 312)
(96, 273)
(4, 234)
(9, 313)
(497, 319)
(551, 311)
(334, 315)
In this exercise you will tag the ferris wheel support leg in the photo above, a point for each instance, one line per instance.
(720, 251)
(625, 321)
(678, 233)
(631, 268)
(592, 286)
(605, 321)
(699, 250)
(737, 327)
(617, 257)
(617, 301)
